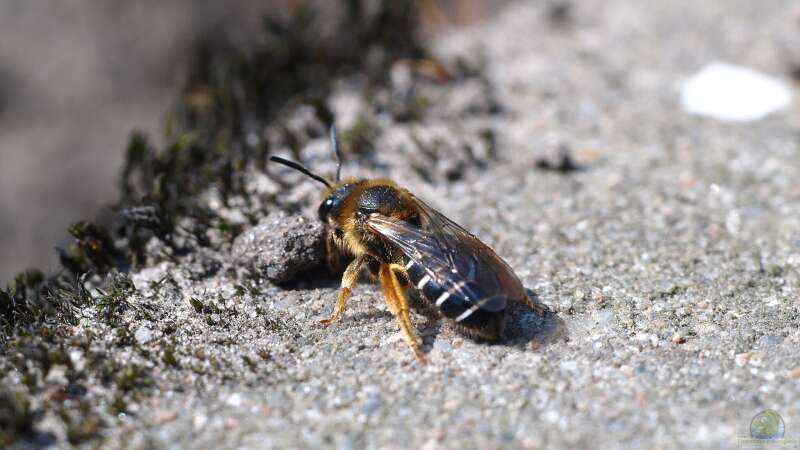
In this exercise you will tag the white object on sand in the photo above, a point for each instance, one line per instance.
(733, 93)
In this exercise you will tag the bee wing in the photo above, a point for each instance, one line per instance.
(453, 257)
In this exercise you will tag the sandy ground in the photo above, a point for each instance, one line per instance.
(670, 260)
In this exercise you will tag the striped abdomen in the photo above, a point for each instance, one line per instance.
(466, 312)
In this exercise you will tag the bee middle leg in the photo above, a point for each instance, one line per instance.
(349, 280)
(398, 305)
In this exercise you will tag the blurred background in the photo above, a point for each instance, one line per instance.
(78, 76)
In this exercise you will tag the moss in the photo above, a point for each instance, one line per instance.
(119, 405)
(156, 286)
(123, 337)
(196, 304)
(22, 303)
(138, 224)
(132, 376)
(264, 354)
(125, 376)
(359, 137)
(414, 108)
(16, 417)
(113, 302)
(58, 356)
(96, 246)
(248, 285)
(9, 311)
(204, 308)
(168, 356)
(82, 423)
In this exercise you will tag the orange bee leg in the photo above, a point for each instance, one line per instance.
(539, 309)
(398, 305)
(349, 281)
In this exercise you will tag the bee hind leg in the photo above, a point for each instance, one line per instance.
(536, 307)
(398, 305)
(349, 280)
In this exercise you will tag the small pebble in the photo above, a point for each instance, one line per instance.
(443, 346)
(742, 359)
(627, 370)
(234, 400)
(732, 93)
(560, 12)
(143, 335)
(569, 366)
(372, 405)
(678, 338)
(557, 159)
(199, 421)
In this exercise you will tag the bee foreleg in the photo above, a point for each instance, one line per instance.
(349, 280)
(398, 305)
(332, 254)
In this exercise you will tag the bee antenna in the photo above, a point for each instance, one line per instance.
(338, 151)
(300, 168)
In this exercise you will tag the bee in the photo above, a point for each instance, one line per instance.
(412, 248)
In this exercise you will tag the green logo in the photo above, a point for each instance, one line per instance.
(767, 430)
(767, 425)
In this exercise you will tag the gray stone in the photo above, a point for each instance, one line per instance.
(281, 246)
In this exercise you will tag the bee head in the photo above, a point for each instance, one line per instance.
(337, 191)
(334, 202)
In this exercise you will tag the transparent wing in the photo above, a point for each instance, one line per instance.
(453, 257)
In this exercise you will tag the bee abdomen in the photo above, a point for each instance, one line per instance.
(465, 312)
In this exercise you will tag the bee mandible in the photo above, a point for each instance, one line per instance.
(409, 246)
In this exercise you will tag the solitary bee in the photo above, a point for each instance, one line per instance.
(407, 244)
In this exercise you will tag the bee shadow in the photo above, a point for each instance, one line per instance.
(365, 317)
(524, 326)
(316, 278)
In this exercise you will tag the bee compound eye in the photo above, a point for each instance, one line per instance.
(325, 209)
